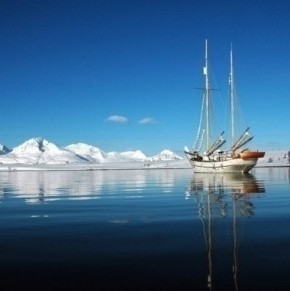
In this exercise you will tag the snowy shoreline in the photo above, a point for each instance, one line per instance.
(169, 165)
(182, 164)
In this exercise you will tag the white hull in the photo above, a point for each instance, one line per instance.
(227, 166)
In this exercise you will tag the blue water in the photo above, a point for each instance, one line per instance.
(152, 229)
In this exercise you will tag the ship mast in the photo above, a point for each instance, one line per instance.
(232, 96)
(205, 72)
(245, 137)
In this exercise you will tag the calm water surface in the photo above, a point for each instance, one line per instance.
(151, 229)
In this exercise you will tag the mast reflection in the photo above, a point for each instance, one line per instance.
(223, 196)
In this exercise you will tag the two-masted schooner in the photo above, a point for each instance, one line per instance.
(212, 159)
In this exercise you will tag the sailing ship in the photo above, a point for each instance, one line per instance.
(212, 159)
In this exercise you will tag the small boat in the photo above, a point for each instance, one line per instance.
(207, 156)
(248, 155)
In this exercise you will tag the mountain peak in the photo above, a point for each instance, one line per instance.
(88, 152)
(4, 150)
(165, 155)
(37, 144)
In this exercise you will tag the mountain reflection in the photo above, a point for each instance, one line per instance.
(221, 200)
(44, 186)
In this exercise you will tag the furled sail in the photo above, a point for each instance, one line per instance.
(217, 144)
(244, 138)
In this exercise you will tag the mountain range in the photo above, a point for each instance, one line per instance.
(40, 151)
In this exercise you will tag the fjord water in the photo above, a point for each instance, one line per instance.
(152, 229)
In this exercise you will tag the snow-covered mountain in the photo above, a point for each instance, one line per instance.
(41, 151)
(137, 156)
(165, 155)
(133, 155)
(88, 152)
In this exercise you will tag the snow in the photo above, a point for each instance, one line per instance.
(165, 155)
(87, 152)
(39, 151)
(275, 159)
(40, 154)
(133, 155)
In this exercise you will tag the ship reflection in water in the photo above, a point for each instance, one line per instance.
(221, 201)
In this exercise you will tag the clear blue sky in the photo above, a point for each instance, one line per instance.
(121, 75)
